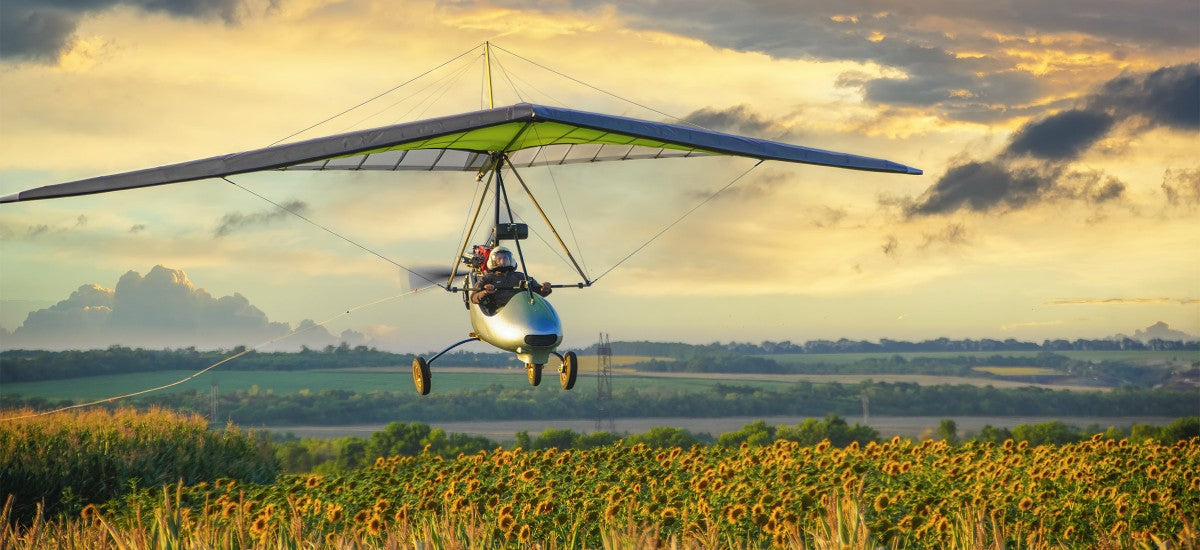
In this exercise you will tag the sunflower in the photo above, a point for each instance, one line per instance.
(1118, 527)
(259, 527)
(881, 502)
(1025, 504)
(524, 533)
(375, 526)
(735, 513)
(90, 513)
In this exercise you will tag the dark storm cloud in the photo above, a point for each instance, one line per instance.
(237, 220)
(983, 186)
(161, 309)
(43, 29)
(27, 32)
(1168, 97)
(1061, 136)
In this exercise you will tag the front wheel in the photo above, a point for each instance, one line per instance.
(421, 376)
(534, 372)
(569, 370)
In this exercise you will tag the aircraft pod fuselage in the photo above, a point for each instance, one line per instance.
(527, 326)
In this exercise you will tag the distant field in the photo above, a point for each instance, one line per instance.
(846, 358)
(1018, 371)
(447, 379)
(453, 379)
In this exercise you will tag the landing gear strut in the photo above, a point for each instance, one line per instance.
(420, 367)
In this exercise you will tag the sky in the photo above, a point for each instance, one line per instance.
(1061, 194)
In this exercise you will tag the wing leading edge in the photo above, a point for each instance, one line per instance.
(531, 135)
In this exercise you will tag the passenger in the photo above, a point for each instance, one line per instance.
(502, 281)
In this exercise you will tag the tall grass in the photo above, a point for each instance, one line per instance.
(60, 462)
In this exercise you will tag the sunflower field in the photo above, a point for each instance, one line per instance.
(898, 494)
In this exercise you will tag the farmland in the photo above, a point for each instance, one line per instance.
(1140, 356)
(456, 378)
(1100, 492)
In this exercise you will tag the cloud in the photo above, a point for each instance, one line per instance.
(736, 120)
(1142, 102)
(1061, 136)
(1119, 301)
(1182, 187)
(237, 220)
(954, 234)
(965, 61)
(983, 186)
(41, 30)
(137, 228)
(1165, 97)
(161, 309)
(891, 246)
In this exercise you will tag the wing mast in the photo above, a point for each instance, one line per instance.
(487, 55)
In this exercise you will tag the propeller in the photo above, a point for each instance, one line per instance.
(424, 276)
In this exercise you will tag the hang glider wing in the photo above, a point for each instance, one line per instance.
(531, 135)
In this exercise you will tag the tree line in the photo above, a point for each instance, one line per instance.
(299, 455)
(885, 345)
(32, 365)
(799, 399)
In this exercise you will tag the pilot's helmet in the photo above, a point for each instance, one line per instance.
(501, 259)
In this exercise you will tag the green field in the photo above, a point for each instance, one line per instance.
(1083, 355)
(1018, 371)
(358, 380)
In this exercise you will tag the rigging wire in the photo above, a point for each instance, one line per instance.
(446, 85)
(404, 116)
(291, 333)
(332, 232)
(563, 206)
(390, 90)
(507, 78)
(538, 90)
(679, 219)
(601, 90)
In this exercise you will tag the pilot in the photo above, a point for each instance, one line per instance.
(502, 273)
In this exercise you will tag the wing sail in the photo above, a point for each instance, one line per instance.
(530, 134)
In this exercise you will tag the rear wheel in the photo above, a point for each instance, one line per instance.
(421, 376)
(569, 370)
(534, 372)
